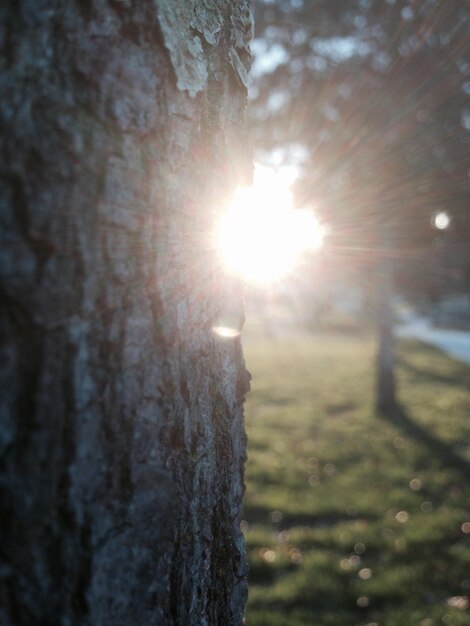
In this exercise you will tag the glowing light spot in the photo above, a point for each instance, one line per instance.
(362, 602)
(399, 443)
(312, 463)
(295, 555)
(466, 528)
(402, 517)
(426, 507)
(283, 537)
(261, 237)
(330, 469)
(269, 556)
(345, 564)
(276, 517)
(313, 480)
(458, 602)
(365, 573)
(442, 220)
(400, 545)
(359, 548)
(226, 332)
(415, 484)
(354, 560)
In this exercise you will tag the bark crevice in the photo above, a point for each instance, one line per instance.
(122, 438)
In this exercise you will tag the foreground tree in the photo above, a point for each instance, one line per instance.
(122, 439)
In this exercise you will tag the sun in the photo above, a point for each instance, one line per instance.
(261, 236)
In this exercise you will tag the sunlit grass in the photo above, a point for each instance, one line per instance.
(349, 520)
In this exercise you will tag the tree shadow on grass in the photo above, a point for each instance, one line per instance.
(443, 451)
(457, 372)
(459, 376)
(256, 514)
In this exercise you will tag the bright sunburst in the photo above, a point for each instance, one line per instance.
(261, 236)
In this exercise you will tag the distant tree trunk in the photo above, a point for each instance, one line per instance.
(385, 383)
(122, 441)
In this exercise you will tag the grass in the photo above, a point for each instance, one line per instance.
(349, 520)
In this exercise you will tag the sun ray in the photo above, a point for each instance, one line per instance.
(261, 236)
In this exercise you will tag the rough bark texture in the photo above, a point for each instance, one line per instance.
(122, 442)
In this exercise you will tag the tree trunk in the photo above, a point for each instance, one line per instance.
(122, 441)
(385, 385)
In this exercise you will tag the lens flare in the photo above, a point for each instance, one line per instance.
(226, 332)
(442, 220)
(261, 236)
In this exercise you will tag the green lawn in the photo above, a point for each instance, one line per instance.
(350, 519)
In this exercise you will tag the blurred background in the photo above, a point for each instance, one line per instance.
(357, 509)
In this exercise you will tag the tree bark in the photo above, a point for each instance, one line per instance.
(385, 385)
(122, 441)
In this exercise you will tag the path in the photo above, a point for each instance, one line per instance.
(456, 343)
